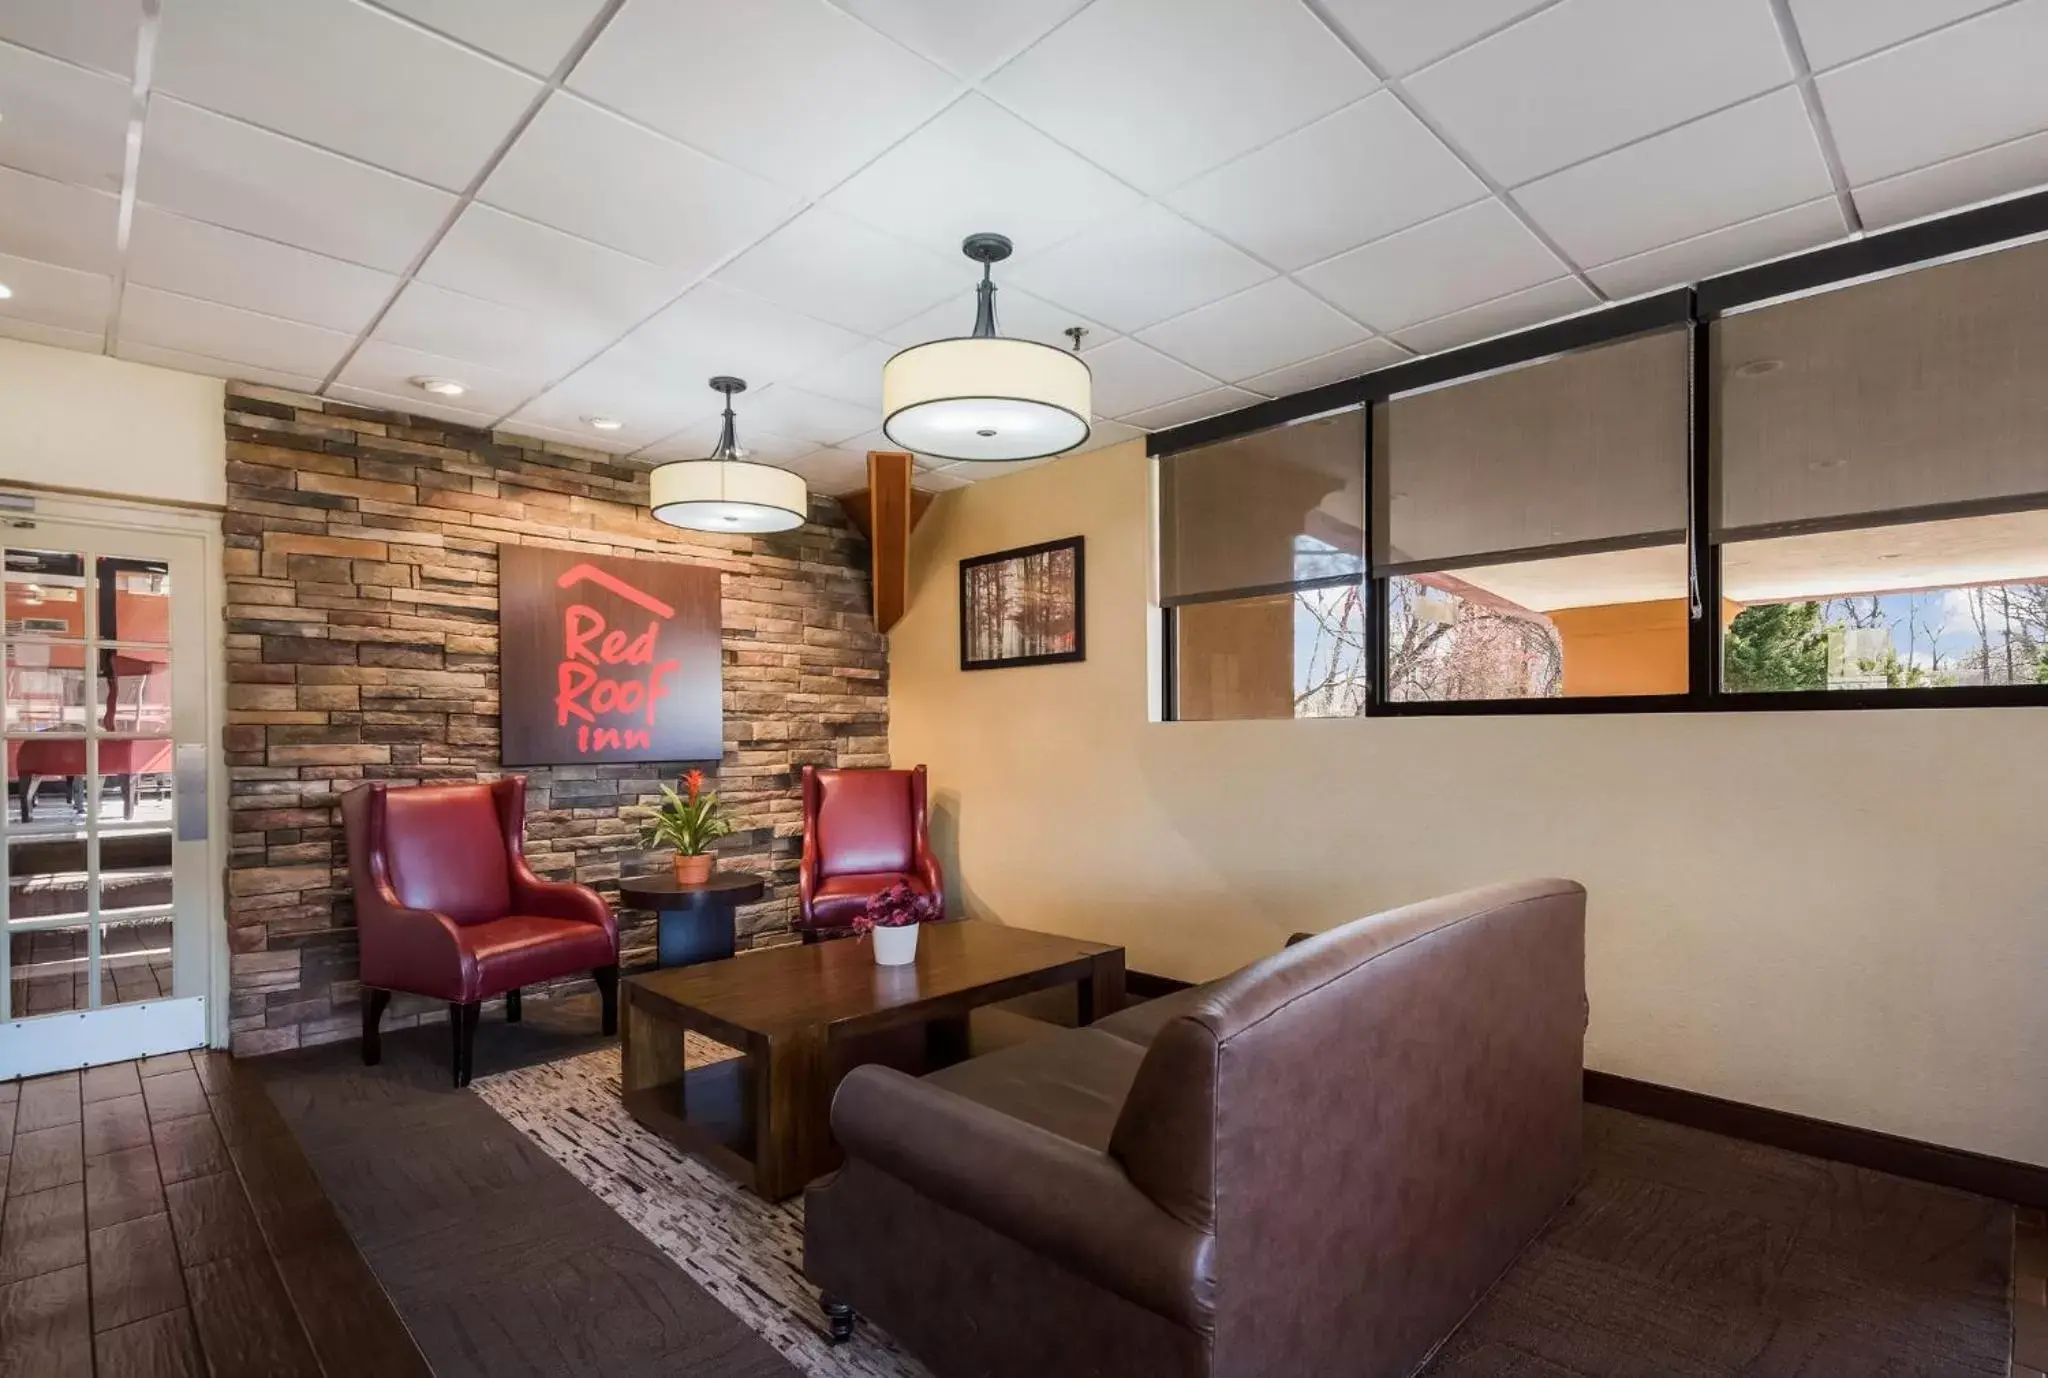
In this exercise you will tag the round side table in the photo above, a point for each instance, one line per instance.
(696, 921)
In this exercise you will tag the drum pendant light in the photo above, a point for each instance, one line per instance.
(984, 397)
(724, 492)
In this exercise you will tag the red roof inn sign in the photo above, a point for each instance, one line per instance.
(607, 660)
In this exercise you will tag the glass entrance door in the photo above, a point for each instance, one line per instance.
(103, 853)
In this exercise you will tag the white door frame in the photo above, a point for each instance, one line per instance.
(19, 507)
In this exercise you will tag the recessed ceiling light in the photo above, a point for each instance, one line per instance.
(5, 291)
(440, 387)
(604, 423)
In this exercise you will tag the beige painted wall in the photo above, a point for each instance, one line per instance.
(93, 424)
(1839, 914)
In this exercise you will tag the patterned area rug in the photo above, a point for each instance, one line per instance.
(745, 1252)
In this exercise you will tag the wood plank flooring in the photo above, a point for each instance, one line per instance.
(160, 1221)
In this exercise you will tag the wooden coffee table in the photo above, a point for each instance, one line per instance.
(797, 1013)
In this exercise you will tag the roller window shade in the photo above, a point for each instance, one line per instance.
(1919, 395)
(1577, 454)
(1264, 512)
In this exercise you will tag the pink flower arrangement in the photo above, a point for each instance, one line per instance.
(899, 906)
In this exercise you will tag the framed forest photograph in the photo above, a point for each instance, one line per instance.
(1023, 607)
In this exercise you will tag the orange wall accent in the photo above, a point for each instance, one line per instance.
(1627, 648)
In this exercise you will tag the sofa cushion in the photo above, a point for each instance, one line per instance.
(1138, 1023)
(1072, 1082)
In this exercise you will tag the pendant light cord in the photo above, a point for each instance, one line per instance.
(985, 306)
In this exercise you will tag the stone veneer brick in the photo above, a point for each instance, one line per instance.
(362, 644)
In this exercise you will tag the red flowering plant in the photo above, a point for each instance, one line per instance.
(688, 822)
(899, 906)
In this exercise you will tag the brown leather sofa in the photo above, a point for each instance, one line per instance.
(1315, 1166)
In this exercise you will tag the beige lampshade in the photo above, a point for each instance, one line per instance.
(727, 495)
(986, 398)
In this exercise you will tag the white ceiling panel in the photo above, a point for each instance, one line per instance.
(208, 367)
(520, 263)
(201, 260)
(969, 39)
(1366, 171)
(936, 481)
(978, 167)
(389, 369)
(1457, 260)
(534, 34)
(855, 377)
(439, 111)
(2017, 165)
(1515, 311)
(1138, 269)
(717, 329)
(1402, 35)
(57, 222)
(842, 271)
(61, 121)
(575, 437)
(697, 441)
(418, 404)
(437, 321)
(1258, 330)
(1158, 91)
(92, 33)
(793, 90)
(1834, 31)
(1333, 367)
(84, 341)
(1103, 432)
(1734, 246)
(1967, 87)
(587, 171)
(832, 472)
(1019, 315)
(212, 168)
(154, 317)
(1746, 161)
(1589, 75)
(651, 401)
(1210, 403)
(1131, 377)
(788, 410)
(48, 295)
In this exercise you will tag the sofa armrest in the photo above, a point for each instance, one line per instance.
(1063, 1200)
(560, 899)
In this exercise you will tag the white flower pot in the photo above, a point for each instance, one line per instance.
(895, 947)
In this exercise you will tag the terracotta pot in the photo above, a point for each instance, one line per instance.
(694, 870)
(895, 947)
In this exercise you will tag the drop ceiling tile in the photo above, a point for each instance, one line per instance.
(1834, 31)
(1469, 256)
(789, 410)
(1130, 377)
(84, 341)
(628, 384)
(872, 440)
(937, 481)
(1019, 315)
(1589, 75)
(1719, 251)
(854, 377)
(346, 77)
(981, 471)
(201, 260)
(225, 172)
(698, 440)
(62, 121)
(977, 167)
(577, 438)
(1402, 35)
(1967, 87)
(416, 405)
(438, 321)
(970, 40)
(558, 277)
(153, 317)
(57, 222)
(1157, 95)
(585, 170)
(1104, 433)
(1546, 302)
(209, 367)
(839, 270)
(1211, 403)
(535, 35)
(91, 33)
(53, 296)
(389, 369)
(792, 90)
(1275, 323)
(1333, 367)
(1138, 269)
(2017, 165)
(832, 472)
(1746, 161)
(717, 329)
(1366, 171)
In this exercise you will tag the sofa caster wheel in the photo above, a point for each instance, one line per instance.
(839, 1318)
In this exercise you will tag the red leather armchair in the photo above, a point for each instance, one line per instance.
(447, 907)
(864, 830)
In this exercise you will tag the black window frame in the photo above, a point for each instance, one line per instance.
(2002, 224)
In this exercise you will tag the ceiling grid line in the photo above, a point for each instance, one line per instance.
(131, 162)
(1816, 113)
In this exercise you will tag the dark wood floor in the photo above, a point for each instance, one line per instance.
(159, 1219)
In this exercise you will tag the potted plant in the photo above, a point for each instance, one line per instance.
(893, 915)
(690, 823)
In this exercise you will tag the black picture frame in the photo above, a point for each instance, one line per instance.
(1078, 597)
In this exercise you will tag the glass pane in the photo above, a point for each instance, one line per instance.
(46, 877)
(50, 972)
(134, 688)
(45, 594)
(135, 960)
(45, 688)
(135, 781)
(134, 601)
(135, 869)
(46, 783)
(1287, 655)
